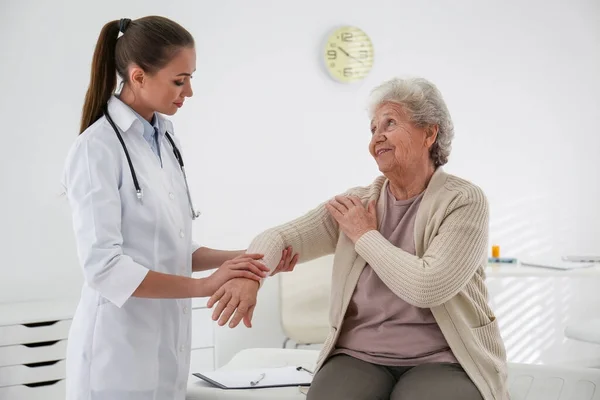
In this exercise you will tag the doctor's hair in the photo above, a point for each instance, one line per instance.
(148, 42)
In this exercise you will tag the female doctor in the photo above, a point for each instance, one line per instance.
(132, 216)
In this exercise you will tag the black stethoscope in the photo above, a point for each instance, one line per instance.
(138, 190)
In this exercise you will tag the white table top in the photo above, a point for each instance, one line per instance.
(518, 270)
(37, 311)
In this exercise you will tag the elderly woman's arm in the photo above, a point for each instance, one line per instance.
(313, 235)
(450, 261)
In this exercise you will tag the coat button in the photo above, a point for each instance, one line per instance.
(185, 310)
(181, 234)
(171, 195)
(181, 348)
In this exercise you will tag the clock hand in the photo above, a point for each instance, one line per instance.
(343, 51)
(346, 53)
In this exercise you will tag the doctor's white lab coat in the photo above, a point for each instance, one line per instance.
(122, 347)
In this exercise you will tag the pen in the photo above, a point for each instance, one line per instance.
(304, 369)
(260, 378)
(502, 260)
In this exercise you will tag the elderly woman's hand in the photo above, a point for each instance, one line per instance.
(236, 296)
(287, 262)
(236, 299)
(354, 219)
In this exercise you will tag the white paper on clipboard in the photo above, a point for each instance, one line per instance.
(257, 378)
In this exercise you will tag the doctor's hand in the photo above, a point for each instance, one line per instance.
(237, 295)
(244, 266)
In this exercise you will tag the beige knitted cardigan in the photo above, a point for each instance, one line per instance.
(446, 274)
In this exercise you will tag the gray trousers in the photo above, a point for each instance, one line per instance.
(347, 378)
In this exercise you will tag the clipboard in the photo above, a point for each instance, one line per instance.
(257, 378)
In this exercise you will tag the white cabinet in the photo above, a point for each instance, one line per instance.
(33, 340)
(203, 335)
(51, 391)
(32, 353)
(34, 332)
(27, 374)
(202, 360)
(33, 343)
(202, 356)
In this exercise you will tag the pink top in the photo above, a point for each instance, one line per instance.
(381, 328)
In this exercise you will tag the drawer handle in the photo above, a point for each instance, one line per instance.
(41, 344)
(46, 383)
(38, 324)
(41, 364)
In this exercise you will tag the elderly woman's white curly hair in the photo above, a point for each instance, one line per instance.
(425, 106)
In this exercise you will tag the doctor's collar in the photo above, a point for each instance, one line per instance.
(125, 117)
(121, 113)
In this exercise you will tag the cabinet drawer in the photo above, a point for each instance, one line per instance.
(53, 390)
(33, 353)
(202, 360)
(23, 374)
(34, 333)
(202, 329)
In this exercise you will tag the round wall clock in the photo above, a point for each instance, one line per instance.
(348, 54)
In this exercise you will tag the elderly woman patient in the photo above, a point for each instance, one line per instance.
(409, 314)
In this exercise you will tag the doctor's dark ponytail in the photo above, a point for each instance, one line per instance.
(149, 42)
(103, 79)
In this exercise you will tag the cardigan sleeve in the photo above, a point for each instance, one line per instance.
(313, 235)
(450, 261)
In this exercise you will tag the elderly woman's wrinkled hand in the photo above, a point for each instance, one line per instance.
(236, 296)
(236, 299)
(353, 217)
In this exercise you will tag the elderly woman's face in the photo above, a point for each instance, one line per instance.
(397, 144)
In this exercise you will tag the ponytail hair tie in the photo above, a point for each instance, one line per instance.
(124, 24)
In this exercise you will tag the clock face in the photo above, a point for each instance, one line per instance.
(348, 54)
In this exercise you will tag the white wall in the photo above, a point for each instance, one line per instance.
(268, 135)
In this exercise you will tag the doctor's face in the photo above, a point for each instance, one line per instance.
(166, 90)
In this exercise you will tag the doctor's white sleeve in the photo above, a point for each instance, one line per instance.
(91, 177)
